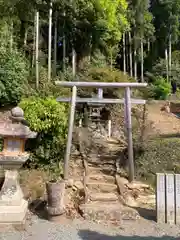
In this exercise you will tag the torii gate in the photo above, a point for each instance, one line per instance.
(127, 101)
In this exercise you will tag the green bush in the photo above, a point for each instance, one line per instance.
(13, 76)
(157, 155)
(103, 74)
(106, 74)
(49, 119)
(161, 89)
(159, 69)
(176, 56)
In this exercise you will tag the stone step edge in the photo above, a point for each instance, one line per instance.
(103, 197)
(104, 178)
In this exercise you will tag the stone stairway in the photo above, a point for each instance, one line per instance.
(102, 201)
(103, 198)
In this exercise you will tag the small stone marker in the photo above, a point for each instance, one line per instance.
(170, 203)
(160, 197)
(177, 198)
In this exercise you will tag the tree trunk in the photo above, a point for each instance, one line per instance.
(64, 46)
(124, 53)
(34, 42)
(142, 60)
(37, 50)
(111, 60)
(130, 55)
(49, 42)
(73, 62)
(127, 52)
(148, 45)
(170, 56)
(167, 67)
(11, 36)
(135, 62)
(55, 45)
(25, 37)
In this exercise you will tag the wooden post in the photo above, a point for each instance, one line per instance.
(129, 132)
(70, 132)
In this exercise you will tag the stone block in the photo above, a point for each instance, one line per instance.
(13, 214)
(170, 197)
(160, 197)
(177, 198)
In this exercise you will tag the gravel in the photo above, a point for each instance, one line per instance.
(83, 230)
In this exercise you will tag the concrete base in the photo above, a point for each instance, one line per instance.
(13, 214)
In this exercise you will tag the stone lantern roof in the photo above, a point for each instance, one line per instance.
(17, 127)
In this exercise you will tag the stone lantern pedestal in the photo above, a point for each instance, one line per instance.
(13, 207)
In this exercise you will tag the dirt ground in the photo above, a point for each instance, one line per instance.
(163, 123)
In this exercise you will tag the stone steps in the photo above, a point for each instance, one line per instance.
(105, 169)
(107, 211)
(101, 186)
(103, 158)
(102, 178)
(103, 197)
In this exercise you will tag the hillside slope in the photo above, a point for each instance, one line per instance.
(163, 123)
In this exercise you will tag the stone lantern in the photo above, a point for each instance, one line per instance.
(14, 132)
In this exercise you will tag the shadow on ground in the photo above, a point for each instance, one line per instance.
(90, 235)
(38, 207)
(148, 214)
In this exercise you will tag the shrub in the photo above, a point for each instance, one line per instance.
(161, 89)
(104, 74)
(13, 76)
(49, 119)
(176, 56)
(160, 70)
(157, 155)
